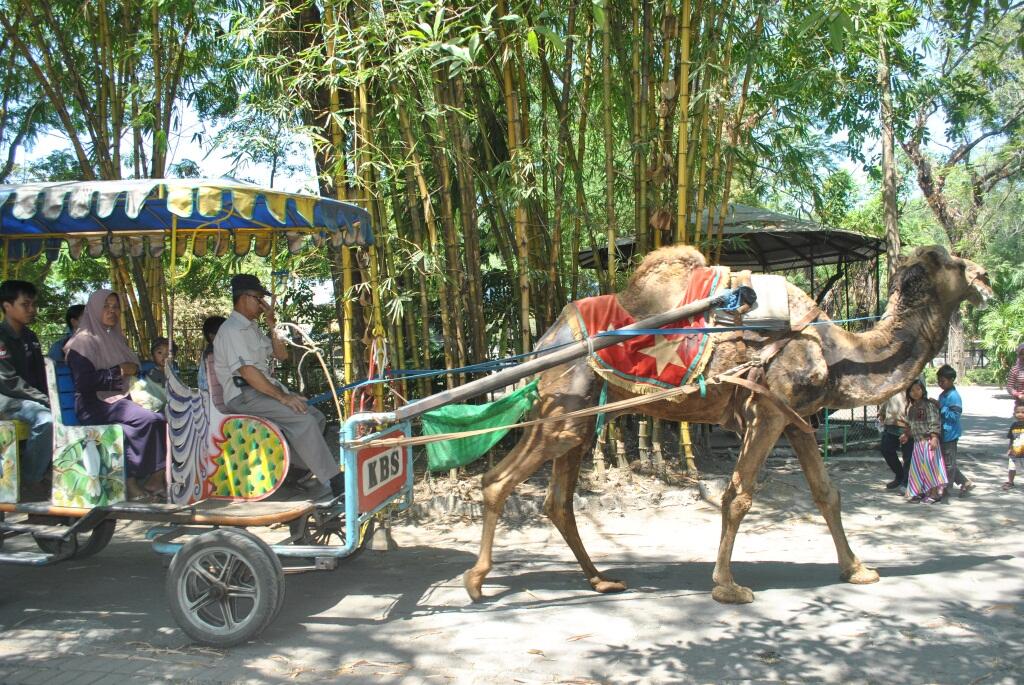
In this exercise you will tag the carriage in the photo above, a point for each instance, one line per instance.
(224, 471)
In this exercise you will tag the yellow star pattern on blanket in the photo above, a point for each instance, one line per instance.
(665, 351)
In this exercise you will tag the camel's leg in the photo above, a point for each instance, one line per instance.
(540, 444)
(763, 429)
(565, 472)
(826, 496)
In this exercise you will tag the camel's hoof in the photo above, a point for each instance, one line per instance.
(732, 594)
(861, 575)
(606, 586)
(473, 586)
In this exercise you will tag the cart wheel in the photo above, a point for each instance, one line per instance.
(81, 545)
(224, 587)
(317, 529)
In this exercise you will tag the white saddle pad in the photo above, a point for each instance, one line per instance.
(772, 308)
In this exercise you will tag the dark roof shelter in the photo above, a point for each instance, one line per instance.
(762, 240)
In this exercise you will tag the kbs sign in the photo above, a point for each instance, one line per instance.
(381, 473)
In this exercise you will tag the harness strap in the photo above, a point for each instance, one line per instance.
(772, 397)
(769, 352)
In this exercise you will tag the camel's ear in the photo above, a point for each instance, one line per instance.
(936, 255)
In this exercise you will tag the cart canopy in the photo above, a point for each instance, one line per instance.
(130, 217)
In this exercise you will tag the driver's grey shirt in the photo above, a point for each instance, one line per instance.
(240, 342)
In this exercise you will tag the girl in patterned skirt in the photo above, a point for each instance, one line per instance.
(927, 479)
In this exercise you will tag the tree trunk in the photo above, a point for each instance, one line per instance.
(889, 204)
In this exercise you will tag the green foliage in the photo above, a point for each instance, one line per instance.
(990, 375)
(1002, 323)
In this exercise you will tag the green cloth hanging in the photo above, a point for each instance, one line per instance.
(456, 418)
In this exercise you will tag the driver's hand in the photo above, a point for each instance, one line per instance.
(903, 439)
(296, 403)
(129, 368)
(269, 317)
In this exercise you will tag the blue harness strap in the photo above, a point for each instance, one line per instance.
(601, 401)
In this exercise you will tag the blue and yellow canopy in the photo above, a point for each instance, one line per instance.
(131, 217)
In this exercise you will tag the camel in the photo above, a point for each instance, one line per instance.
(818, 366)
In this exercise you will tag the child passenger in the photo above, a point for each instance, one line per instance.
(927, 480)
(160, 351)
(1016, 450)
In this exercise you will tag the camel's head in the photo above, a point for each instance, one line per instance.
(932, 271)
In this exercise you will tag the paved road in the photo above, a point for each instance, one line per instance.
(948, 610)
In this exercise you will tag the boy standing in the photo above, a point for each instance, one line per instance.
(23, 378)
(950, 408)
(1016, 451)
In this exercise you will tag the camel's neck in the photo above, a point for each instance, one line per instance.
(867, 368)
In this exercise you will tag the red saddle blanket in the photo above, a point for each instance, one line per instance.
(651, 362)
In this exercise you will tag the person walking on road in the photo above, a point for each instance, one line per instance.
(951, 408)
(927, 478)
(1015, 379)
(891, 415)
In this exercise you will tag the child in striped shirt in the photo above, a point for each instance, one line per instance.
(1016, 451)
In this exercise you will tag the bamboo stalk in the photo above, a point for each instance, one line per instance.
(734, 133)
(599, 444)
(609, 150)
(364, 141)
(516, 137)
(334, 107)
(581, 198)
(683, 169)
(470, 230)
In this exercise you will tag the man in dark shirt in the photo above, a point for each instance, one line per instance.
(23, 394)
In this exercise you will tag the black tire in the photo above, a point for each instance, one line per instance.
(81, 545)
(280, 569)
(224, 587)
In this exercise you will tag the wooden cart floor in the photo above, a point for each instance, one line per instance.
(207, 512)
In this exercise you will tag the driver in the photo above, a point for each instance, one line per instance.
(241, 356)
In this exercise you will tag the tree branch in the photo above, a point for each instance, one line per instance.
(965, 149)
(12, 151)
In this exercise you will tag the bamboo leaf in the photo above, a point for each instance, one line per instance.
(532, 44)
(812, 21)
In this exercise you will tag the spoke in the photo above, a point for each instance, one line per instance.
(205, 600)
(200, 570)
(228, 568)
(241, 591)
(229, 618)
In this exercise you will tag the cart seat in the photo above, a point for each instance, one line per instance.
(88, 461)
(11, 432)
(66, 391)
(217, 454)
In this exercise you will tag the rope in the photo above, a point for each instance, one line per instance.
(504, 362)
(578, 414)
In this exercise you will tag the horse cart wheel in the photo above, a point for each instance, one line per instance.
(318, 529)
(81, 545)
(224, 587)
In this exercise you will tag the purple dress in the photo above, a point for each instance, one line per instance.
(145, 446)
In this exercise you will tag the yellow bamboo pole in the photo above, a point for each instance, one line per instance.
(346, 254)
(683, 174)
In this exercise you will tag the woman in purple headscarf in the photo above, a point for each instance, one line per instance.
(102, 366)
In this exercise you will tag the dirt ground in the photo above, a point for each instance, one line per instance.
(949, 607)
